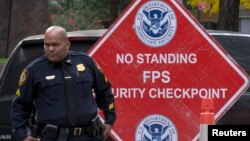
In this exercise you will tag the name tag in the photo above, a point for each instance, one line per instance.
(67, 77)
(50, 77)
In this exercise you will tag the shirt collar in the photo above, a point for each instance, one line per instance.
(66, 61)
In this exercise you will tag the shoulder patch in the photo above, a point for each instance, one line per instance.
(23, 77)
(99, 68)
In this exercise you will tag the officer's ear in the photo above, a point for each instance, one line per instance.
(68, 44)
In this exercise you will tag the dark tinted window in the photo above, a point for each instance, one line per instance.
(27, 53)
(238, 47)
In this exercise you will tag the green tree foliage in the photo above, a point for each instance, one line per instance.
(83, 14)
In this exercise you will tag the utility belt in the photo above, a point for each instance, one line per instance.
(94, 128)
(54, 132)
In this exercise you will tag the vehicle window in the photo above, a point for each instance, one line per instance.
(27, 53)
(239, 49)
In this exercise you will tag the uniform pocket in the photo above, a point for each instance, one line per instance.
(51, 82)
(84, 84)
(84, 78)
(52, 88)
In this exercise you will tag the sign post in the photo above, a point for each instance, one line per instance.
(161, 64)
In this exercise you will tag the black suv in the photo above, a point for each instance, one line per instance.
(236, 44)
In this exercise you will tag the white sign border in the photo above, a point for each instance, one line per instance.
(177, 4)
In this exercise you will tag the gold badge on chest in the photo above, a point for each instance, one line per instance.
(80, 67)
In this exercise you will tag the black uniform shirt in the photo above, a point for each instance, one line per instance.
(43, 82)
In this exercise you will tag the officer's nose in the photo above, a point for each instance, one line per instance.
(51, 48)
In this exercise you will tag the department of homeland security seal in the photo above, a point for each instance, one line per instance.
(155, 23)
(156, 128)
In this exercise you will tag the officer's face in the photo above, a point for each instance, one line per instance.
(56, 46)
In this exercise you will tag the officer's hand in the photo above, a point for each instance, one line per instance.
(107, 129)
(29, 138)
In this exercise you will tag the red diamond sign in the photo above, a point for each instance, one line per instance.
(161, 64)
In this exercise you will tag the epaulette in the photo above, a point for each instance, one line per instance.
(78, 53)
(38, 60)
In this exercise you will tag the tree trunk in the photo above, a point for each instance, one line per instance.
(5, 12)
(229, 15)
(27, 18)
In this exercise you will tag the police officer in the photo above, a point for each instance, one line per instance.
(60, 84)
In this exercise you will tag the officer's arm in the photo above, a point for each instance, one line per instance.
(104, 96)
(22, 105)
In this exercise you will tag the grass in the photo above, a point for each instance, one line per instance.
(3, 60)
